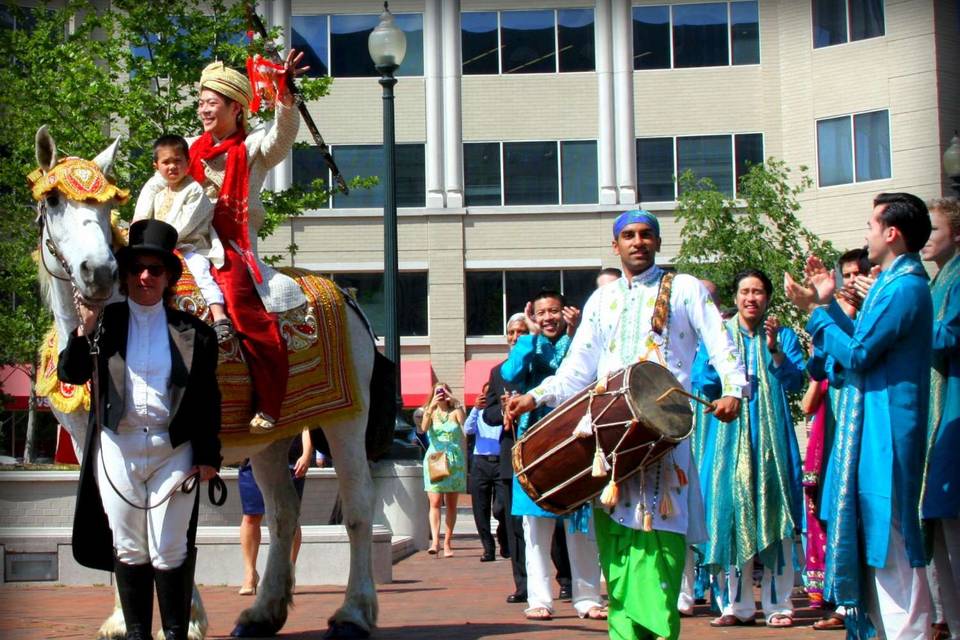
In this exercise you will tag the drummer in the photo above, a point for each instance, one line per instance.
(642, 546)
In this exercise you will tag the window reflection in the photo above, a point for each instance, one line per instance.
(871, 136)
(745, 32)
(309, 35)
(528, 42)
(700, 35)
(707, 157)
(530, 173)
(748, 149)
(481, 173)
(575, 39)
(651, 37)
(655, 169)
(578, 159)
(834, 151)
(479, 42)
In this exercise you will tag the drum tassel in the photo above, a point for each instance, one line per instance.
(611, 492)
(600, 464)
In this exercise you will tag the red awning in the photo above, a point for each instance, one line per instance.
(416, 382)
(475, 375)
(16, 386)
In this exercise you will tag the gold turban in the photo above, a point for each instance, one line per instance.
(228, 82)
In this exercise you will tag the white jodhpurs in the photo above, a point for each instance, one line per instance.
(776, 588)
(200, 270)
(144, 468)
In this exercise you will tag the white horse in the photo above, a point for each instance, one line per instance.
(76, 260)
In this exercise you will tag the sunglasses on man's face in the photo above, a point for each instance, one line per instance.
(156, 270)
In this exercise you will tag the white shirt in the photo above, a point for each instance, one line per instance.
(146, 400)
(615, 332)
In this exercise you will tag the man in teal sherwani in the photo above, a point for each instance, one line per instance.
(873, 484)
(941, 498)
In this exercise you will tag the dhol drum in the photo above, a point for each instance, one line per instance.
(636, 417)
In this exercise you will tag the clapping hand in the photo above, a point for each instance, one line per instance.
(571, 315)
(532, 325)
(772, 327)
(818, 286)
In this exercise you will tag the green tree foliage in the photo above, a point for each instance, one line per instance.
(720, 236)
(92, 71)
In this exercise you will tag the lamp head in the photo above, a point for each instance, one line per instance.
(387, 42)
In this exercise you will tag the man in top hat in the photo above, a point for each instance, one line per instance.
(155, 421)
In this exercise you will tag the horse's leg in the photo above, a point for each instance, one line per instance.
(357, 616)
(274, 595)
(114, 627)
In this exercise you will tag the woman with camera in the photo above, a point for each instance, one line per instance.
(444, 468)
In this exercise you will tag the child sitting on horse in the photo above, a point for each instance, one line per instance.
(183, 204)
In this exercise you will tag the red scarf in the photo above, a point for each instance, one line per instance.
(231, 214)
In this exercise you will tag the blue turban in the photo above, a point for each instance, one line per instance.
(632, 217)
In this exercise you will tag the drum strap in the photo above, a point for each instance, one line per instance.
(661, 311)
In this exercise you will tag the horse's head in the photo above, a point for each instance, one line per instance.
(75, 198)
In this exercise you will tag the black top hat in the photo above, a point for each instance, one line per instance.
(153, 237)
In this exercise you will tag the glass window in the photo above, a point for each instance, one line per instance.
(700, 35)
(527, 38)
(651, 37)
(481, 173)
(484, 292)
(871, 135)
(522, 286)
(708, 157)
(834, 151)
(309, 35)
(411, 292)
(412, 26)
(578, 284)
(308, 165)
(479, 42)
(575, 39)
(655, 169)
(579, 171)
(530, 173)
(349, 55)
(866, 19)
(745, 32)
(748, 149)
(367, 160)
(829, 22)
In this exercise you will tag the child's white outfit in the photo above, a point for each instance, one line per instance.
(187, 208)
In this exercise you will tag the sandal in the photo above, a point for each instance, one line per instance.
(730, 620)
(538, 613)
(832, 622)
(780, 620)
(246, 590)
(262, 423)
(596, 613)
(224, 330)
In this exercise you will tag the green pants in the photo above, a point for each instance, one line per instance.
(643, 572)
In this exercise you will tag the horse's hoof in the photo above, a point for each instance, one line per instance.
(254, 630)
(345, 631)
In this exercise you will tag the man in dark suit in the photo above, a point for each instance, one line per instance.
(153, 429)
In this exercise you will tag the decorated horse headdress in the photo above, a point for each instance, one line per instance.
(77, 179)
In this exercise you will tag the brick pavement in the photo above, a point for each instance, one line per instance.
(455, 598)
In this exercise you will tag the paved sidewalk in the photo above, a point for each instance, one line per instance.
(456, 598)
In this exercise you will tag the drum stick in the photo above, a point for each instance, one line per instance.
(683, 393)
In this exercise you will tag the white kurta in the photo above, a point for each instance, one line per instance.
(615, 332)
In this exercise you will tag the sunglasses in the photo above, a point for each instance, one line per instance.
(156, 270)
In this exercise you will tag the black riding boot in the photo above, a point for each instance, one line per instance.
(174, 593)
(135, 586)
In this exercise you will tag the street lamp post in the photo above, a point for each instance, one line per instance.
(388, 45)
(951, 163)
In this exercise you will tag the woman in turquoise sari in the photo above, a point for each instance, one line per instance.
(941, 494)
(752, 465)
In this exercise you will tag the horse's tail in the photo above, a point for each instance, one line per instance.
(382, 413)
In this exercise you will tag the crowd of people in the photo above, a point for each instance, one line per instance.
(866, 517)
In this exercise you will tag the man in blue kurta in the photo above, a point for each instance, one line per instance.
(941, 498)
(533, 358)
(873, 483)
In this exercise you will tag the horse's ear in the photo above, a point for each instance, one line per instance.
(105, 159)
(46, 149)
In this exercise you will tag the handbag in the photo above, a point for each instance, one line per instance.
(437, 466)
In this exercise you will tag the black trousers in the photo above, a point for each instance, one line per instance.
(485, 491)
(518, 558)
